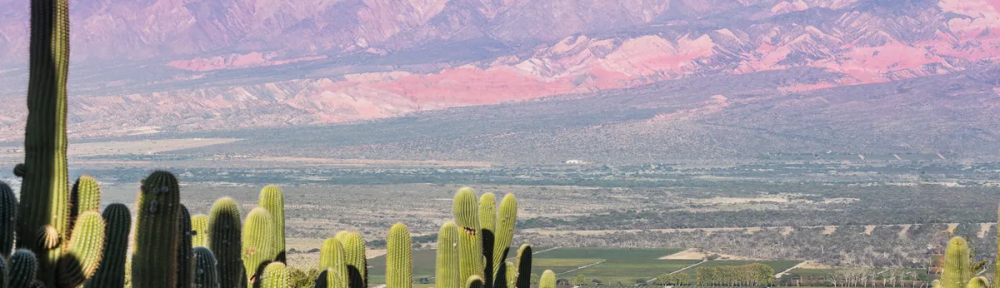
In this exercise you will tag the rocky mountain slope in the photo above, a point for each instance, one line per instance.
(244, 64)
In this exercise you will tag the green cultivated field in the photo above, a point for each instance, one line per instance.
(608, 265)
(777, 265)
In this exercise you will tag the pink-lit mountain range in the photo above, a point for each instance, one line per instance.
(370, 59)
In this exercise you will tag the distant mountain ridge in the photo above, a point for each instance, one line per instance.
(242, 64)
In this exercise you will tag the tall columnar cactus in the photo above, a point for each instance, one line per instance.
(275, 276)
(154, 259)
(84, 252)
(273, 200)
(504, 232)
(258, 246)
(206, 273)
(957, 270)
(8, 219)
(85, 196)
(447, 257)
(487, 227)
(398, 261)
(185, 261)
(199, 226)
(470, 240)
(44, 202)
(111, 272)
(978, 282)
(332, 259)
(524, 266)
(548, 280)
(224, 239)
(475, 282)
(22, 269)
(354, 257)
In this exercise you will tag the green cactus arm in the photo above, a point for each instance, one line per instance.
(199, 224)
(487, 227)
(224, 239)
(185, 254)
(354, 256)
(275, 276)
(466, 212)
(206, 271)
(474, 282)
(333, 260)
(504, 234)
(978, 282)
(273, 201)
(84, 251)
(44, 201)
(957, 270)
(511, 273)
(399, 264)
(154, 258)
(8, 219)
(447, 275)
(84, 196)
(258, 248)
(524, 266)
(111, 272)
(548, 280)
(22, 268)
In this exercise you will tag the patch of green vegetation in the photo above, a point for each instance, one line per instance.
(778, 266)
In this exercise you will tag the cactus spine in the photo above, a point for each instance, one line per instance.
(487, 227)
(258, 248)
(8, 219)
(273, 200)
(83, 255)
(978, 282)
(504, 233)
(199, 226)
(224, 240)
(275, 276)
(206, 273)
(185, 261)
(354, 257)
(154, 260)
(44, 198)
(333, 261)
(111, 272)
(548, 280)
(524, 266)
(470, 240)
(23, 268)
(398, 264)
(447, 257)
(957, 271)
(475, 282)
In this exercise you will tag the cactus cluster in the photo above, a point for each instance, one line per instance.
(481, 237)
(64, 240)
